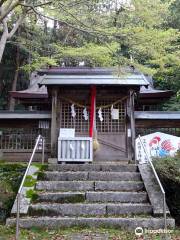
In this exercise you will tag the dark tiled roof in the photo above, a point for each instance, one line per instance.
(157, 115)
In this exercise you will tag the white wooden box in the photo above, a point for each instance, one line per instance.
(75, 149)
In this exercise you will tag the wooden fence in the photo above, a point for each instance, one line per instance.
(22, 139)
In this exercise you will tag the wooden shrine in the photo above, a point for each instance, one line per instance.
(98, 104)
(105, 107)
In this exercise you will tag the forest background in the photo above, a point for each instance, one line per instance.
(41, 33)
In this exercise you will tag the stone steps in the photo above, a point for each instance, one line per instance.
(93, 167)
(84, 209)
(90, 176)
(116, 222)
(61, 197)
(91, 196)
(111, 195)
(89, 186)
(123, 197)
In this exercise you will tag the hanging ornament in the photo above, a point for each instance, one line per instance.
(71, 147)
(114, 113)
(100, 114)
(85, 114)
(82, 146)
(73, 113)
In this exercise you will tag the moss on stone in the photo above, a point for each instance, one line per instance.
(75, 199)
(32, 195)
(40, 175)
(29, 181)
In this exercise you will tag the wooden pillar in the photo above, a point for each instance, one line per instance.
(132, 121)
(54, 124)
(131, 126)
(128, 130)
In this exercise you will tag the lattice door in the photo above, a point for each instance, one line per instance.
(109, 125)
(67, 121)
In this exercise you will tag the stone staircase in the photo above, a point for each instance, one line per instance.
(110, 195)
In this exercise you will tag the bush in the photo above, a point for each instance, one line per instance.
(10, 179)
(168, 170)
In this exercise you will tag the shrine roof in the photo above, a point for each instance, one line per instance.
(150, 91)
(78, 71)
(157, 115)
(33, 91)
(25, 115)
(125, 79)
(87, 76)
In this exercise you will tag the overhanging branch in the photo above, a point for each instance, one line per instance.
(1, 2)
(16, 26)
(35, 6)
(5, 11)
(85, 30)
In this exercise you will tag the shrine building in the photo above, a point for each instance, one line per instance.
(85, 114)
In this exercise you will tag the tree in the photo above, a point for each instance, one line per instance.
(169, 76)
(138, 29)
(14, 12)
(98, 32)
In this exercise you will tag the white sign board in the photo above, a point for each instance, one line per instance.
(157, 145)
(115, 114)
(67, 132)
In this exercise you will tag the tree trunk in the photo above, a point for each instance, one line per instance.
(14, 83)
(3, 44)
(54, 31)
(8, 35)
(1, 81)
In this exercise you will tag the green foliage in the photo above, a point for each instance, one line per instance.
(145, 34)
(41, 167)
(169, 172)
(12, 174)
(91, 54)
(10, 179)
(30, 181)
(32, 195)
(94, 36)
(168, 78)
(38, 62)
(174, 19)
(172, 105)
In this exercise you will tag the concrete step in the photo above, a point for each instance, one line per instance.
(119, 186)
(67, 209)
(94, 209)
(93, 167)
(58, 222)
(61, 197)
(92, 175)
(65, 185)
(114, 176)
(92, 196)
(89, 186)
(123, 197)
